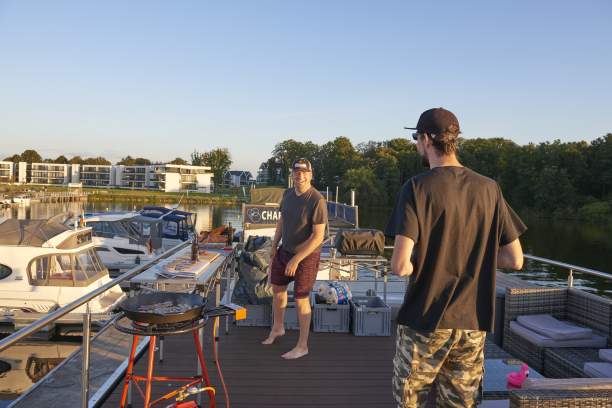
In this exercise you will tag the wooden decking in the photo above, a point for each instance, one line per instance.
(341, 370)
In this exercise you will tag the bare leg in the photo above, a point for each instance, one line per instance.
(279, 303)
(304, 314)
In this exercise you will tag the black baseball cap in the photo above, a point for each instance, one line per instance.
(301, 164)
(436, 121)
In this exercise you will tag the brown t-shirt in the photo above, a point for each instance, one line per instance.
(299, 214)
(458, 219)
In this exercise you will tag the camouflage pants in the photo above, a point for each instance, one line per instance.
(452, 356)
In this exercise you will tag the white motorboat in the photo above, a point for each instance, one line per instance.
(45, 265)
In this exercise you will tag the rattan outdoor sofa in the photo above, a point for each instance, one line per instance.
(574, 305)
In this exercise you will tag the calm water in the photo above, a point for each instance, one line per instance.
(578, 243)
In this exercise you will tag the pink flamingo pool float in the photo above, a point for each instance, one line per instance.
(516, 378)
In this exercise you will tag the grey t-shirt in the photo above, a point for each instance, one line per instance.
(299, 214)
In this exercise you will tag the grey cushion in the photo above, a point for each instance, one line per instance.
(606, 355)
(596, 341)
(598, 370)
(548, 326)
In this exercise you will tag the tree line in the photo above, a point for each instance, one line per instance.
(565, 180)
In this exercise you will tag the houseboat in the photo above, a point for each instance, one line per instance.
(45, 265)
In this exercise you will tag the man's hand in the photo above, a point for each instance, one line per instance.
(400, 261)
(273, 251)
(292, 266)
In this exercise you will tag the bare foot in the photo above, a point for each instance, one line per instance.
(272, 336)
(297, 352)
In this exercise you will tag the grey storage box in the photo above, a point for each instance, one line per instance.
(257, 315)
(371, 316)
(291, 317)
(330, 318)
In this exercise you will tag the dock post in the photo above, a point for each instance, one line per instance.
(85, 358)
(570, 279)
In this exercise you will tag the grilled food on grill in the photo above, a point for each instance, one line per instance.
(166, 307)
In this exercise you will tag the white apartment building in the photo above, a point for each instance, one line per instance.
(48, 173)
(93, 175)
(6, 171)
(162, 177)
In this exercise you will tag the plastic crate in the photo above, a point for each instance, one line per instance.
(371, 316)
(330, 318)
(257, 315)
(291, 317)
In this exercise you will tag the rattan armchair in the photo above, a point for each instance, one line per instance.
(574, 305)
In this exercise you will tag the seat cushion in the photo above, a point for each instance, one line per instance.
(553, 328)
(595, 341)
(598, 370)
(606, 355)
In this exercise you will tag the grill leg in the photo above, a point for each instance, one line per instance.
(128, 374)
(150, 371)
(196, 339)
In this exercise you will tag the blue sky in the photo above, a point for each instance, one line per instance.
(161, 78)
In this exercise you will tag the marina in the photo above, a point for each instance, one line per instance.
(255, 375)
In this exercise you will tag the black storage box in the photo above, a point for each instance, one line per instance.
(368, 242)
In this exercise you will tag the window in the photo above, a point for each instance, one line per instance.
(5, 271)
(128, 251)
(102, 249)
(170, 228)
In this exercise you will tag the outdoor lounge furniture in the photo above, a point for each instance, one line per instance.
(598, 370)
(582, 308)
(563, 393)
(568, 362)
(606, 355)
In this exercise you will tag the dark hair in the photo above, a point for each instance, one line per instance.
(447, 141)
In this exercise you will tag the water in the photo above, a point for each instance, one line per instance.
(574, 242)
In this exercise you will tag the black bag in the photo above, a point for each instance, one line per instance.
(369, 242)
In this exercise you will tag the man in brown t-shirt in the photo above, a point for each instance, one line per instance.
(302, 229)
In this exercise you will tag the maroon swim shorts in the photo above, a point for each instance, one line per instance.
(305, 275)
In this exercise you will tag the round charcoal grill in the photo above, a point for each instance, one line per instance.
(163, 307)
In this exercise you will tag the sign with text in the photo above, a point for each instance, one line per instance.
(260, 214)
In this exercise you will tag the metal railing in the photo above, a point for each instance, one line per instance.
(571, 268)
(64, 310)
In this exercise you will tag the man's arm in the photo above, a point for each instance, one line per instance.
(510, 255)
(402, 251)
(306, 248)
(278, 233)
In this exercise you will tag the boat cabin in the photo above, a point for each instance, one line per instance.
(177, 224)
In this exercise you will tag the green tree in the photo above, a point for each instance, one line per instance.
(76, 160)
(99, 161)
(368, 189)
(178, 160)
(61, 160)
(31, 156)
(14, 158)
(219, 160)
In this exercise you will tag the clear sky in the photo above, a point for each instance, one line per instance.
(161, 78)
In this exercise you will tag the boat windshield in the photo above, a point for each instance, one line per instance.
(76, 269)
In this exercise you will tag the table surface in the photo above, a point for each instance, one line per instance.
(199, 271)
(495, 385)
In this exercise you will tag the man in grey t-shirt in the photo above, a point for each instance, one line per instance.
(302, 229)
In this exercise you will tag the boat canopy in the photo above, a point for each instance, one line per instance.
(164, 213)
(29, 232)
(267, 195)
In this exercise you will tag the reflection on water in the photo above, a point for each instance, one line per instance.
(207, 216)
(24, 364)
(578, 243)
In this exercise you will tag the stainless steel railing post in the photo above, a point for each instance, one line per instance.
(570, 279)
(385, 283)
(85, 357)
